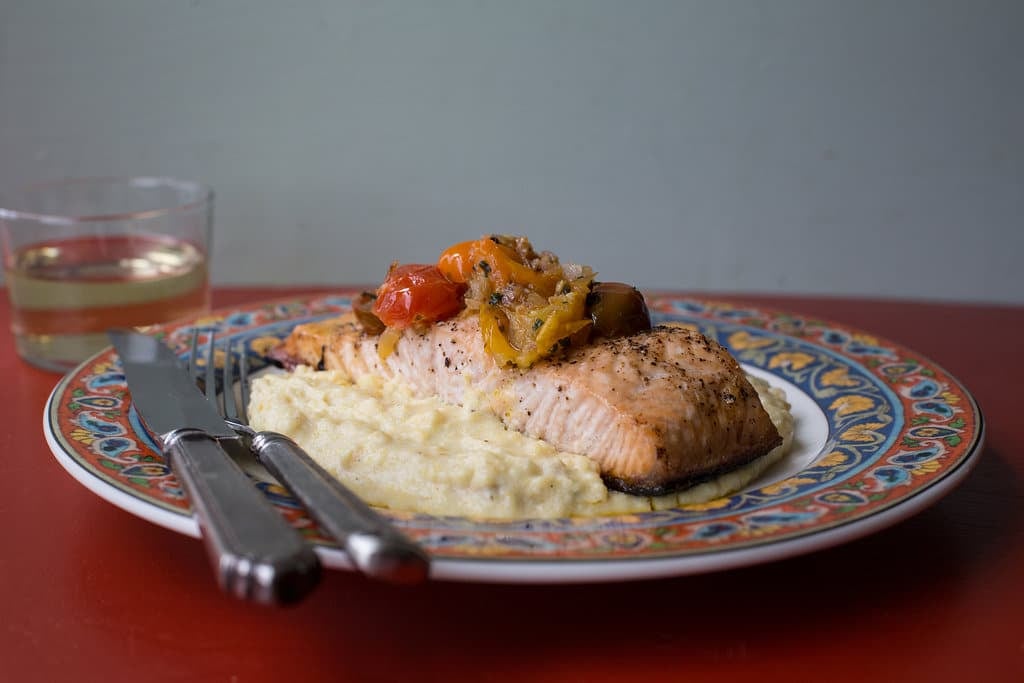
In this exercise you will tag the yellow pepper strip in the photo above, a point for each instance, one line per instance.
(495, 341)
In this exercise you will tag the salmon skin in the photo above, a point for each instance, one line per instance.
(659, 411)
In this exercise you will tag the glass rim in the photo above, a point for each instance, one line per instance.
(203, 193)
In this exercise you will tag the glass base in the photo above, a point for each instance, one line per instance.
(59, 352)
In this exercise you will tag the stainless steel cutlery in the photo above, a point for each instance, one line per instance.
(256, 554)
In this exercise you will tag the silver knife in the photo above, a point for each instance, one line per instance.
(256, 554)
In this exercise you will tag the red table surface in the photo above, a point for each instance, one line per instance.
(89, 592)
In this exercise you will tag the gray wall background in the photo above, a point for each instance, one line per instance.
(812, 146)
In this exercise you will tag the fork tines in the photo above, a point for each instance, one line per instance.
(205, 374)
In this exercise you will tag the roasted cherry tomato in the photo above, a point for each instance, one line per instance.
(617, 310)
(456, 262)
(417, 294)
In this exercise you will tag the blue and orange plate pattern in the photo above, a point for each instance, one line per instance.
(892, 433)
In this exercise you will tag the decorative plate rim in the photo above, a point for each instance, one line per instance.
(902, 433)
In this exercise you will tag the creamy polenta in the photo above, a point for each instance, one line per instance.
(402, 452)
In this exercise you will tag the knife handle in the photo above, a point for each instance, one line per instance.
(373, 545)
(256, 554)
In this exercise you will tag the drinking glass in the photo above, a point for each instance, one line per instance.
(85, 255)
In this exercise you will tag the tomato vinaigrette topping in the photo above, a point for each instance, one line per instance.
(530, 306)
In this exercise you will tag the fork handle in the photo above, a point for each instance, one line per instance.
(256, 554)
(374, 546)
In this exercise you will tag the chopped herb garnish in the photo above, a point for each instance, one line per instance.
(486, 267)
(566, 288)
(537, 324)
(494, 299)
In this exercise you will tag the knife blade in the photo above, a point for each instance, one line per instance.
(255, 553)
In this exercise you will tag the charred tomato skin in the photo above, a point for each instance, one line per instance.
(617, 310)
(362, 306)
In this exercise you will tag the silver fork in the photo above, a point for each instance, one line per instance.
(374, 546)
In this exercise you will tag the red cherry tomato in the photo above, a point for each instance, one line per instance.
(416, 293)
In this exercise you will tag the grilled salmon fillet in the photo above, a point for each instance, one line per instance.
(659, 411)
